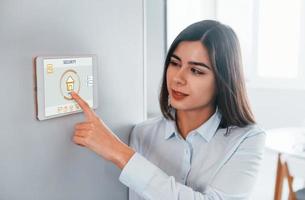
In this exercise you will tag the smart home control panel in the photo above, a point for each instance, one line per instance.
(57, 76)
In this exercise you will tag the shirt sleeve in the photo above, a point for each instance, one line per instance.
(234, 181)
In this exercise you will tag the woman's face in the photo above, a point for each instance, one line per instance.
(190, 78)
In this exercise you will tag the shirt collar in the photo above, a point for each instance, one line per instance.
(170, 129)
(207, 130)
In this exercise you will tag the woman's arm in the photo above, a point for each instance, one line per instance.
(234, 179)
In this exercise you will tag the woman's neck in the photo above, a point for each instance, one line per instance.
(190, 120)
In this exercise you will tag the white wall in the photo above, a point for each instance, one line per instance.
(38, 160)
(275, 108)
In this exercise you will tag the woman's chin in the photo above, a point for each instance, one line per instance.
(178, 106)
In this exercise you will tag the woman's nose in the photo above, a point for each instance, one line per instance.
(179, 77)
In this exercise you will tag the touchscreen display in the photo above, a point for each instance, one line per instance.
(62, 76)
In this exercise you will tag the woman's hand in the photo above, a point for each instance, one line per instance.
(96, 136)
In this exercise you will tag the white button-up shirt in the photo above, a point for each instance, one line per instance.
(206, 165)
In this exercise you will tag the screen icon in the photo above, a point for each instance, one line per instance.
(69, 82)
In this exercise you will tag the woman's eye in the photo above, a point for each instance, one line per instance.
(196, 71)
(174, 63)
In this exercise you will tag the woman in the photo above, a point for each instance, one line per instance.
(206, 145)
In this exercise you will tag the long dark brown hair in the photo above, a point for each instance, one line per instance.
(225, 56)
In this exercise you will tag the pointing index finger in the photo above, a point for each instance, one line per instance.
(84, 106)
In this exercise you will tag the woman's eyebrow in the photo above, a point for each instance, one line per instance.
(193, 62)
(175, 56)
(200, 64)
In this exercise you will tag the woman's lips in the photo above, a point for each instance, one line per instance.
(178, 95)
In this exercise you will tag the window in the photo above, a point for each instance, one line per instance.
(279, 38)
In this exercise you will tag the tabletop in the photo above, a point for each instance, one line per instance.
(289, 140)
